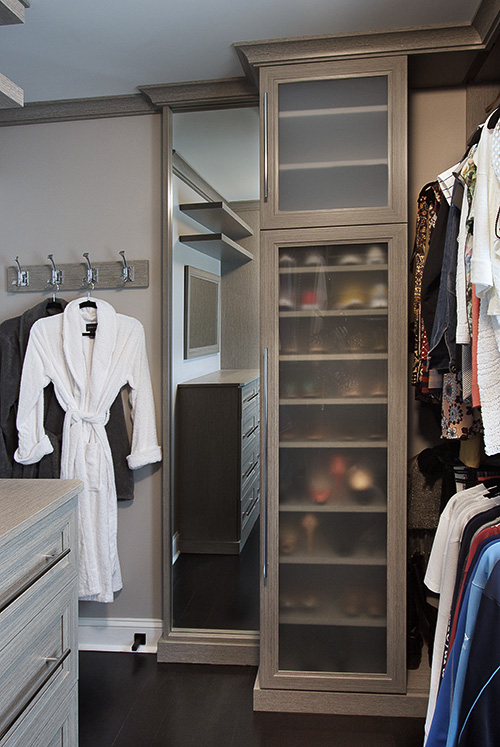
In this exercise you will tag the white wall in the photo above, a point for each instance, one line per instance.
(95, 186)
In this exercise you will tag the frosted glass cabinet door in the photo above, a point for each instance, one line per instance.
(334, 143)
(335, 330)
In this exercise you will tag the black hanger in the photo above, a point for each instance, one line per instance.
(54, 305)
(88, 303)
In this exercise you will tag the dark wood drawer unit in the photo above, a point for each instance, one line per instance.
(217, 461)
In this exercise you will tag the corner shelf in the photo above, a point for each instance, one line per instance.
(226, 226)
(219, 246)
(218, 217)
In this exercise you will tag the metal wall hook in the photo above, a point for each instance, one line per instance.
(23, 276)
(91, 278)
(127, 271)
(56, 276)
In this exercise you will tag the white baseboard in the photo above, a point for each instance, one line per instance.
(117, 633)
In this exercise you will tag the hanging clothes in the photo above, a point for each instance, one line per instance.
(89, 354)
(14, 336)
(441, 571)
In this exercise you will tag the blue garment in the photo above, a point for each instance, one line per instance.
(479, 723)
(488, 561)
(448, 697)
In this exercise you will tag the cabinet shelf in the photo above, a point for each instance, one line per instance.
(330, 617)
(333, 444)
(338, 508)
(339, 560)
(316, 270)
(333, 357)
(219, 246)
(334, 312)
(218, 217)
(317, 165)
(340, 110)
(333, 401)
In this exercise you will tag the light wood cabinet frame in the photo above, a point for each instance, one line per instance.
(394, 681)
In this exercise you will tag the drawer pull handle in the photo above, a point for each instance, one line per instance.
(252, 506)
(31, 697)
(252, 430)
(251, 398)
(249, 471)
(54, 560)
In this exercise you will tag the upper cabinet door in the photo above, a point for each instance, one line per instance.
(334, 143)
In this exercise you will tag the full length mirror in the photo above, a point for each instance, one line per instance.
(214, 580)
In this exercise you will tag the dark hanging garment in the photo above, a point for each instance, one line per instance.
(14, 336)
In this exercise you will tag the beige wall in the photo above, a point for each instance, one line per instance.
(67, 188)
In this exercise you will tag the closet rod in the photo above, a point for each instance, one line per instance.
(74, 276)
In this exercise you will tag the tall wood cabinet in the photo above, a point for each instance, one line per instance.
(333, 332)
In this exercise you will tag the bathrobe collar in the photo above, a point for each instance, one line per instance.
(73, 341)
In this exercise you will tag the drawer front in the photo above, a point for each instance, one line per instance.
(250, 459)
(250, 427)
(42, 655)
(250, 396)
(52, 722)
(39, 551)
(250, 495)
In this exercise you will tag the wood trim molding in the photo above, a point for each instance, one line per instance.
(487, 20)
(66, 110)
(196, 95)
(475, 36)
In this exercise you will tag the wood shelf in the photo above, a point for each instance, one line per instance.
(312, 444)
(333, 508)
(219, 218)
(219, 246)
(12, 11)
(317, 270)
(10, 94)
(329, 111)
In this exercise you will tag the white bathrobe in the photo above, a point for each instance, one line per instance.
(87, 375)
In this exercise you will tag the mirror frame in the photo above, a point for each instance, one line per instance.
(186, 645)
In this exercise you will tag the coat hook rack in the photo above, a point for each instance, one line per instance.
(115, 275)
(128, 271)
(23, 276)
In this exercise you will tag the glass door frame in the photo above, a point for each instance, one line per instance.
(270, 676)
(395, 68)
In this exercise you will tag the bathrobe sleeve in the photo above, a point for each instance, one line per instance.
(144, 446)
(33, 441)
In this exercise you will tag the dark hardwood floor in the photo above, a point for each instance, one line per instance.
(129, 700)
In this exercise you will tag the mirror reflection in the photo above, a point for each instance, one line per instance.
(215, 497)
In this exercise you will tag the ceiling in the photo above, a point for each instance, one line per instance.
(69, 49)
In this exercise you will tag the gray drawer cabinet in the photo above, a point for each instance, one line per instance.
(38, 613)
(217, 461)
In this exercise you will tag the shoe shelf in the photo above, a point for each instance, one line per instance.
(347, 401)
(304, 270)
(329, 615)
(337, 508)
(333, 357)
(313, 444)
(338, 560)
